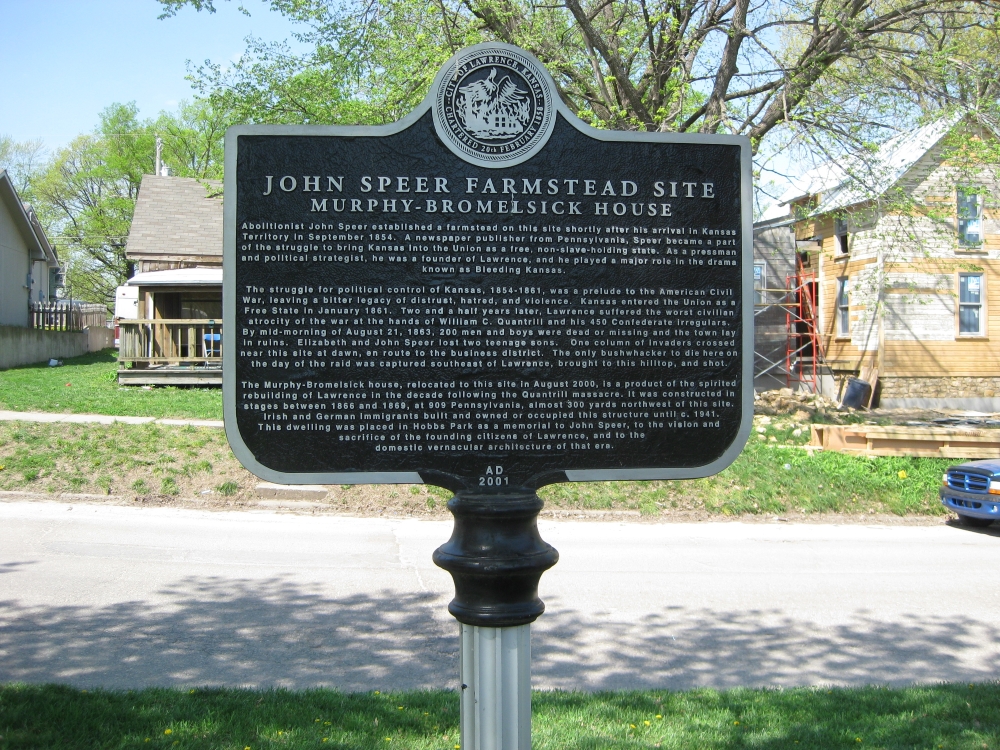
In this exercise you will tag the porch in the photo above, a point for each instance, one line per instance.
(170, 351)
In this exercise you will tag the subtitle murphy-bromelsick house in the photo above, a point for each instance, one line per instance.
(903, 256)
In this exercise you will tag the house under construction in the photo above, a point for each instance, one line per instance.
(887, 269)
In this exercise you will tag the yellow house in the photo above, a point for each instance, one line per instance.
(905, 248)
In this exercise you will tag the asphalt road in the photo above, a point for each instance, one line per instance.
(94, 595)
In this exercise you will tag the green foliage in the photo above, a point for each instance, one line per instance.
(368, 65)
(960, 70)
(85, 199)
(85, 194)
(660, 66)
(123, 459)
(227, 489)
(22, 162)
(88, 385)
(193, 139)
(957, 717)
(946, 66)
(775, 475)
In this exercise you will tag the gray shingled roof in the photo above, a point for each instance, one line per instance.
(176, 216)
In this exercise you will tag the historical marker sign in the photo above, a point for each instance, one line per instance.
(487, 294)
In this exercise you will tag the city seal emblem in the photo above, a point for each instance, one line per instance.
(493, 105)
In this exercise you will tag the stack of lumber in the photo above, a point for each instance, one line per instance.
(906, 440)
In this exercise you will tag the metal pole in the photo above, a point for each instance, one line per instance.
(496, 687)
(495, 557)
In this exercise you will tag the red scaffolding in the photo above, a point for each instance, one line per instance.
(800, 358)
(803, 349)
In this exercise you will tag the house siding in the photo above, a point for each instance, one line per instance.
(774, 247)
(912, 262)
(14, 268)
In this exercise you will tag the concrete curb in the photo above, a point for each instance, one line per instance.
(184, 503)
(291, 491)
(17, 496)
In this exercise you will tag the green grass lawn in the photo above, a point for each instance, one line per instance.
(775, 475)
(767, 478)
(116, 459)
(954, 717)
(88, 385)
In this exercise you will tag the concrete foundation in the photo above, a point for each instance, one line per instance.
(967, 393)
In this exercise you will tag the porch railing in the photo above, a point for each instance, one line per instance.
(63, 315)
(169, 341)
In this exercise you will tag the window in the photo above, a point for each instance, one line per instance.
(203, 305)
(970, 217)
(970, 304)
(758, 283)
(840, 230)
(843, 307)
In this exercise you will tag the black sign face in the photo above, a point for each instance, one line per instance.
(487, 294)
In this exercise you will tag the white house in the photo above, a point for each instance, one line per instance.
(28, 263)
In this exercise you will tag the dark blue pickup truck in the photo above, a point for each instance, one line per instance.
(972, 490)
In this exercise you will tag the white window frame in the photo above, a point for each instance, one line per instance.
(969, 215)
(842, 307)
(841, 236)
(980, 305)
(758, 289)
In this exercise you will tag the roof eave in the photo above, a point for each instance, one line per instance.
(38, 244)
(176, 283)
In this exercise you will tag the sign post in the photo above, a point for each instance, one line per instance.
(489, 296)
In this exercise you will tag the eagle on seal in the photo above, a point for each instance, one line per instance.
(491, 110)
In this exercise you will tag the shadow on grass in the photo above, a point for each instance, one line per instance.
(275, 632)
(959, 716)
(954, 716)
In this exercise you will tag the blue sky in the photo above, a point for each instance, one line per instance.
(63, 61)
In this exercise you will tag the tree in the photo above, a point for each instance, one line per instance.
(22, 161)
(86, 194)
(658, 65)
(193, 139)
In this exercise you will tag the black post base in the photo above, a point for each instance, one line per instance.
(496, 558)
